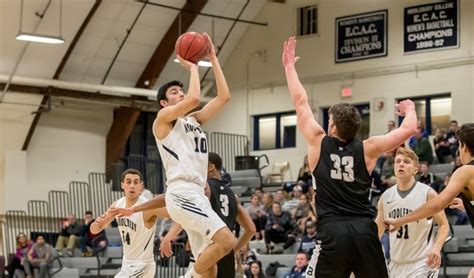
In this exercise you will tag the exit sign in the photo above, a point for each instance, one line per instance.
(346, 91)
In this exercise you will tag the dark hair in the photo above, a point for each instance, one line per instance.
(260, 273)
(215, 159)
(88, 212)
(347, 120)
(133, 172)
(161, 95)
(453, 122)
(304, 253)
(465, 136)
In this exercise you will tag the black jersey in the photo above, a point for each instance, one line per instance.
(342, 180)
(223, 202)
(467, 204)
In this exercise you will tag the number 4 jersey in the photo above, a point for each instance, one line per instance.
(413, 241)
(342, 180)
(137, 239)
(184, 152)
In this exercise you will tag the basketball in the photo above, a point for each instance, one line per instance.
(192, 46)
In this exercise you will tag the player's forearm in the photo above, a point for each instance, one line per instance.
(174, 231)
(409, 124)
(194, 90)
(157, 202)
(96, 228)
(443, 233)
(297, 91)
(428, 209)
(243, 240)
(223, 92)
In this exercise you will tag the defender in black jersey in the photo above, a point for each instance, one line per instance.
(227, 206)
(461, 183)
(347, 234)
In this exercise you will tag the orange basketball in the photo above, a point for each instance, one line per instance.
(192, 46)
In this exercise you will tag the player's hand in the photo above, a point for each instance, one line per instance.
(471, 273)
(165, 247)
(457, 204)
(121, 212)
(211, 55)
(404, 106)
(391, 224)
(434, 258)
(289, 48)
(186, 64)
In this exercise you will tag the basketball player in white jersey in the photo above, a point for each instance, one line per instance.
(183, 149)
(413, 253)
(137, 231)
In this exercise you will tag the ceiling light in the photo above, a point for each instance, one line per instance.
(204, 64)
(22, 36)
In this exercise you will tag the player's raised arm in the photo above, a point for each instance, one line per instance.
(311, 130)
(103, 221)
(223, 93)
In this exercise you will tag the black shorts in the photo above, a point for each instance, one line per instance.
(348, 244)
(226, 266)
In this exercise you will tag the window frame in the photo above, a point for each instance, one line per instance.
(256, 130)
(301, 24)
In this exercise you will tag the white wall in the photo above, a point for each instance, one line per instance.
(265, 82)
(69, 142)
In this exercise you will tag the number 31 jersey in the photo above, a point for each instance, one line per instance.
(184, 152)
(137, 239)
(342, 180)
(413, 240)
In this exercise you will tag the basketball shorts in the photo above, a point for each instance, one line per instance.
(137, 268)
(412, 269)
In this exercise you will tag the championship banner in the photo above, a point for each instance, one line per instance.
(431, 27)
(361, 36)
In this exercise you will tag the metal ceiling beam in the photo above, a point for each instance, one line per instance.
(60, 68)
(165, 48)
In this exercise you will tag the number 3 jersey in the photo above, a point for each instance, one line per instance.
(137, 239)
(223, 202)
(413, 240)
(342, 180)
(184, 152)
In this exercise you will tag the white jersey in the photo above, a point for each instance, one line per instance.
(184, 152)
(413, 241)
(137, 239)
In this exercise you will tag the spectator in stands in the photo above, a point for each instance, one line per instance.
(247, 256)
(387, 174)
(267, 201)
(279, 197)
(16, 266)
(308, 242)
(391, 126)
(441, 146)
(305, 175)
(255, 211)
(299, 269)
(427, 177)
(423, 148)
(424, 134)
(280, 228)
(69, 235)
(86, 238)
(255, 270)
(259, 193)
(303, 212)
(39, 257)
(452, 138)
(291, 205)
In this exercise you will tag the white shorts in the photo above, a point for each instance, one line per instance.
(137, 268)
(188, 206)
(411, 270)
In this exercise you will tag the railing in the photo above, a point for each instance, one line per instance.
(228, 146)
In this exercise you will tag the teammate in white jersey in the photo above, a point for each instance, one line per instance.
(137, 231)
(413, 253)
(183, 150)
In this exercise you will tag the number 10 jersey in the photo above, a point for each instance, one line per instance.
(184, 152)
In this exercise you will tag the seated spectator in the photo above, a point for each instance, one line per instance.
(246, 257)
(305, 175)
(299, 269)
(38, 257)
(303, 212)
(427, 177)
(423, 148)
(292, 204)
(259, 193)
(279, 197)
(452, 138)
(387, 175)
(255, 211)
(86, 237)
(441, 145)
(267, 201)
(308, 242)
(255, 270)
(68, 236)
(413, 140)
(16, 266)
(280, 228)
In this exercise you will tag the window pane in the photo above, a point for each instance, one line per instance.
(288, 131)
(267, 132)
(440, 113)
